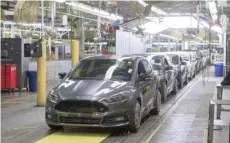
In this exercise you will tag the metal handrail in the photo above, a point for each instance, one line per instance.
(212, 104)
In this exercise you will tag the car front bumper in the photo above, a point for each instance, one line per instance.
(108, 119)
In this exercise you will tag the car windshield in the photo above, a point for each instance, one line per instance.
(100, 69)
(174, 59)
(156, 62)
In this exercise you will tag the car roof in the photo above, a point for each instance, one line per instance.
(101, 57)
(112, 57)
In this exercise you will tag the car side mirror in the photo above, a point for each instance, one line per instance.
(62, 75)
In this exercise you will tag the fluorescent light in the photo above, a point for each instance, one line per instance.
(158, 11)
(94, 11)
(152, 28)
(216, 29)
(142, 3)
(63, 29)
(180, 22)
(199, 38)
(7, 12)
(61, 1)
(168, 36)
(166, 43)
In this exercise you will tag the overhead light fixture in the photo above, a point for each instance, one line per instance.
(61, 1)
(94, 11)
(168, 36)
(199, 38)
(152, 27)
(142, 3)
(158, 11)
(216, 29)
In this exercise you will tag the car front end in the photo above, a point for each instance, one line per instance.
(88, 111)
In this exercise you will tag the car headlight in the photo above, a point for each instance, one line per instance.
(115, 99)
(52, 97)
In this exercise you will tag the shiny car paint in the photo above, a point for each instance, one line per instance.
(96, 91)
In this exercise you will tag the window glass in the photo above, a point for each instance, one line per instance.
(166, 62)
(147, 67)
(101, 68)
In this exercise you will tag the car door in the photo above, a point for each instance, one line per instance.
(183, 69)
(142, 85)
(168, 74)
(150, 84)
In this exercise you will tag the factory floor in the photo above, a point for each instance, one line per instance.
(183, 119)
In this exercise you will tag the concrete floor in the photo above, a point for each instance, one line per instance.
(183, 119)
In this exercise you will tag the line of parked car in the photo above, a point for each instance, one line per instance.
(109, 91)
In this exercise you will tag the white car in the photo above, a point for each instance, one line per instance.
(191, 63)
(205, 57)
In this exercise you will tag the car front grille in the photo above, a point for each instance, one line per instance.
(81, 107)
(77, 120)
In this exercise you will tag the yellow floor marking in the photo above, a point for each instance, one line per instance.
(156, 130)
(166, 118)
(74, 137)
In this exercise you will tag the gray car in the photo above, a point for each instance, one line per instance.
(104, 91)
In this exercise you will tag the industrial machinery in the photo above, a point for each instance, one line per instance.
(12, 53)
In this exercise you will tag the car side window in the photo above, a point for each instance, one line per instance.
(147, 67)
(166, 62)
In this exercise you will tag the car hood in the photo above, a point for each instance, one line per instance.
(75, 89)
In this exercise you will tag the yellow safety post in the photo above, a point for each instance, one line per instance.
(41, 77)
(75, 52)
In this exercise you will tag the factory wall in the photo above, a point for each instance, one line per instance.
(127, 43)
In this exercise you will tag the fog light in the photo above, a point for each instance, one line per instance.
(119, 118)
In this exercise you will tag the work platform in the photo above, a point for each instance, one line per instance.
(183, 119)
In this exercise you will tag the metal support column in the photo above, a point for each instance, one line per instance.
(211, 122)
(41, 77)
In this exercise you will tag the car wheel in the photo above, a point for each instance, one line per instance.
(164, 92)
(157, 103)
(175, 88)
(135, 124)
(54, 127)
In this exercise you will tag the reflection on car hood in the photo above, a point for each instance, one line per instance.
(72, 88)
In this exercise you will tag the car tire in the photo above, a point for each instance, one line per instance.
(175, 88)
(164, 92)
(54, 127)
(156, 110)
(136, 120)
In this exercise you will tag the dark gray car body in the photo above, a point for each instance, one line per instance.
(81, 102)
